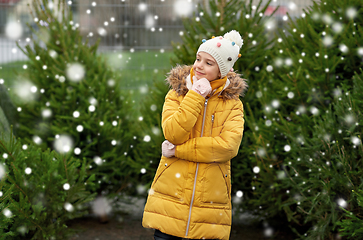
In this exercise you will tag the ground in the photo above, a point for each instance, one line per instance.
(124, 223)
(130, 229)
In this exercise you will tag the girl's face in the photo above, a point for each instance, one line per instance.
(206, 67)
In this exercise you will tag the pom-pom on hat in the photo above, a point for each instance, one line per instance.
(225, 50)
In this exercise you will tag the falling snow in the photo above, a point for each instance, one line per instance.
(337, 27)
(343, 48)
(287, 148)
(46, 113)
(101, 31)
(275, 103)
(101, 206)
(7, 213)
(314, 110)
(69, 207)
(356, 141)
(239, 193)
(13, 30)
(37, 139)
(290, 95)
(77, 151)
(66, 186)
(2, 171)
(342, 203)
(155, 130)
(150, 21)
(25, 90)
(92, 108)
(147, 138)
(183, 8)
(328, 41)
(63, 143)
(53, 53)
(28, 170)
(268, 232)
(75, 72)
(360, 51)
(97, 160)
(79, 128)
(351, 12)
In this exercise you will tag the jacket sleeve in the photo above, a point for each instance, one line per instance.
(180, 115)
(216, 149)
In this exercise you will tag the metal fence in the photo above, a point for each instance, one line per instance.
(121, 24)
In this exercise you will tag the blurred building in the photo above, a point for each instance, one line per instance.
(6, 6)
(123, 24)
(132, 24)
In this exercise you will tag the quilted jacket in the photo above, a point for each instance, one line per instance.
(190, 196)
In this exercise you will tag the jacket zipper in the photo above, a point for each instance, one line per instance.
(196, 172)
(211, 129)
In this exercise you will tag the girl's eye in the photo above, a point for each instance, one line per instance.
(209, 63)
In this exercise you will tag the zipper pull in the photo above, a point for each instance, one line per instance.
(213, 118)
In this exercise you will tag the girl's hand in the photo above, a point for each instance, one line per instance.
(201, 86)
(168, 149)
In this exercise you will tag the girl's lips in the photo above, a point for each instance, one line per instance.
(199, 73)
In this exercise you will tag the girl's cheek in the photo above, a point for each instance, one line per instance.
(195, 73)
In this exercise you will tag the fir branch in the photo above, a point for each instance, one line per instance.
(123, 186)
(267, 156)
(5, 196)
(301, 209)
(16, 185)
(221, 10)
(12, 164)
(6, 150)
(27, 216)
(65, 167)
(292, 180)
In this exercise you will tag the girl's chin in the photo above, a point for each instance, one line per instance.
(198, 76)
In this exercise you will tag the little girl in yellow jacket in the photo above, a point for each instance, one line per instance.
(203, 124)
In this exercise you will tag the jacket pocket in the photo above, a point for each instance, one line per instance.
(216, 184)
(170, 178)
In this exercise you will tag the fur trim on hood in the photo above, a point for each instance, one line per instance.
(177, 79)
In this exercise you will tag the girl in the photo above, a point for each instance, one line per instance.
(203, 123)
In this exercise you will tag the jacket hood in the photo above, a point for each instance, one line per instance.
(179, 80)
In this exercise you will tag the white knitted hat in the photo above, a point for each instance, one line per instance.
(225, 50)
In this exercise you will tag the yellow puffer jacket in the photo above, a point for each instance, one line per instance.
(190, 196)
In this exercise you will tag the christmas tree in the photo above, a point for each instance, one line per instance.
(307, 138)
(39, 191)
(71, 99)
